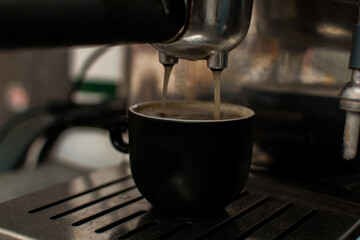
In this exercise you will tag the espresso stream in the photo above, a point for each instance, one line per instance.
(168, 69)
(217, 99)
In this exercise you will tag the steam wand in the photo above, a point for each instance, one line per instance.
(350, 100)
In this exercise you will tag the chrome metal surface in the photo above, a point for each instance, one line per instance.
(350, 94)
(215, 26)
(350, 102)
(218, 61)
(107, 205)
(167, 60)
(18, 183)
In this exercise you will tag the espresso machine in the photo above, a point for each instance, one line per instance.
(291, 69)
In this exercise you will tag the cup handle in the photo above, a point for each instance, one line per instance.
(116, 135)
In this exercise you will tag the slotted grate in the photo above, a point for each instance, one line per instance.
(107, 205)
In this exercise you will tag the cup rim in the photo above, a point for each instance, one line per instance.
(250, 112)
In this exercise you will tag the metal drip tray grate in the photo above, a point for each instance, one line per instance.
(107, 205)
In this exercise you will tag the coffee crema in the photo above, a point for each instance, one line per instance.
(192, 111)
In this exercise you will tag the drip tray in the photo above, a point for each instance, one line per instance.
(107, 205)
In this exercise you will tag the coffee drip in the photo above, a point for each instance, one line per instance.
(217, 92)
(217, 99)
(168, 69)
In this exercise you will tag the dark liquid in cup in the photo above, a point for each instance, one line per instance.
(188, 113)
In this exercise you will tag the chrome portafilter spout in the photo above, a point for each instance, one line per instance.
(214, 28)
(350, 101)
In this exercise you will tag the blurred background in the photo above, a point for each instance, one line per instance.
(57, 104)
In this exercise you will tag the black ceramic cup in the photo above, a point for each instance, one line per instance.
(187, 167)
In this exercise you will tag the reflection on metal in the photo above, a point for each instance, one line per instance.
(350, 102)
(332, 30)
(107, 205)
(215, 27)
(351, 135)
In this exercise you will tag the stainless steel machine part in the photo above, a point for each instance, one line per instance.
(69, 22)
(107, 205)
(350, 102)
(167, 60)
(351, 135)
(214, 28)
(207, 29)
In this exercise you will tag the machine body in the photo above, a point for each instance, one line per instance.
(49, 23)
(189, 29)
(215, 27)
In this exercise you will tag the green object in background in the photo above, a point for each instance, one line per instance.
(98, 86)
